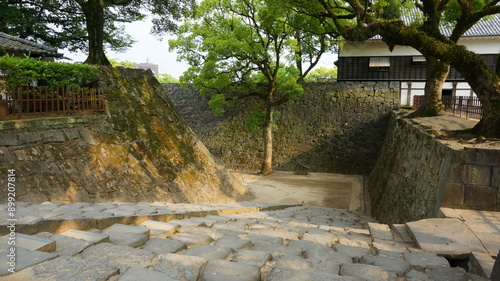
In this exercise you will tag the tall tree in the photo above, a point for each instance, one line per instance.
(359, 20)
(242, 48)
(89, 25)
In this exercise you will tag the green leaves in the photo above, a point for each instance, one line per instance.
(24, 71)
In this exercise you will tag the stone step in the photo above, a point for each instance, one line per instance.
(29, 258)
(91, 237)
(188, 222)
(127, 235)
(30, 242)
(160, 229)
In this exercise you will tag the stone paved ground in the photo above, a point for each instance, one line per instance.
(239, 241)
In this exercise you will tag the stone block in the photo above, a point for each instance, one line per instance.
(9, 140)
(278, 251)
(352, 251)
(209, 252)
(325, 239)
(480, 196)
(454, 195)
(68, 246)
(179, 267)
(482, 156)
(477, 175)
(425, 260)
(164, 246)
(367, 272)
(137, 273)
(380, 231)
(192, 239)
(160, 229)
(392, 264)
(257, 258)
(31, 243)
(28, 259)
(447, 237)
(481, 264)
(294, 264)
(53, 136)
(280, 274)
(119, 256)
(234, 243)
(495, 178)
(220, 270)
(127, 235)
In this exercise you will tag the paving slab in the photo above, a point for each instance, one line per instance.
(280, 274)
(352, 251)
(188, 222)
(88, 236)
(481, 264)
(275, 233)
(209, 252)
(127, 235)
(367, 272)
(391, 248)
(234, 243)
(447, 237)
(294, 264)
(257, 258)
(415, 275)
(192, 239)
(160, 229)
(138, 273)
(262, 240)
(179, 267)
(66, 268)
(402, 231)
(425, 260)
(221, 270)
(278, 251)
(119, 256)
(30, 242)
(68, 246)
(392, 264)
(380, 231)
(327, 255)
(323, 238)
(327, 266)
(164, 246)
(24, 258)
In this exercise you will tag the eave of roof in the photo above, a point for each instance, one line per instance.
(15, 44)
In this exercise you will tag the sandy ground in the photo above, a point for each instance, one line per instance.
(315, 189)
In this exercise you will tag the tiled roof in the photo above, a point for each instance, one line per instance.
(15, 44)
(484, 28)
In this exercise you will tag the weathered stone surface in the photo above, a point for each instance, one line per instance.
(68, 246)
(209, 252)
(380, 231)
(415, 275)
(367, 272)
(481, 264)
(425, 260)
(119, 256)
(29, 258)
(160, 229)
(137, 273)
(164, 246)
(179, 267)
(326, 238)
(294, 264)
(127, 235)
(220, 270)
(397, 265)
(192, 239)
(234, 243)
(32, 243)
(280, 274)
(257, 258)
(445, 237)
(279, 250)
(352, 251)
(403, 233)
(90, 237)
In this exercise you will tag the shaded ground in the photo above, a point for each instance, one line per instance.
(315, 189)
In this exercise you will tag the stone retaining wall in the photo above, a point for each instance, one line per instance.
(140, 150)
(332, 127)
(417, 174)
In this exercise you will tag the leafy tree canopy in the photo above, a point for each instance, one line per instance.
(166, 78)
(321, 73)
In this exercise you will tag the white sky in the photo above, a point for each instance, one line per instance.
(148, 47)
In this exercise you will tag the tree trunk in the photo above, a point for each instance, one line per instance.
(94, 15)
(436, 73)
(267, 164)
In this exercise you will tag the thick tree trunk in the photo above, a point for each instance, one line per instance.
(436, 73)
(267, 164)
(484, 82)
(94, 15)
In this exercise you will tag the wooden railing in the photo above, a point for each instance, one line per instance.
(39, 100)
(466, 107)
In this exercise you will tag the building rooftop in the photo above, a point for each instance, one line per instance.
(17, 45)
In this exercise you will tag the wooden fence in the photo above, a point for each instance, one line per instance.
(39, 100)
(466, 107)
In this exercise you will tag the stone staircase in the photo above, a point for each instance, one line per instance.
(259, 242)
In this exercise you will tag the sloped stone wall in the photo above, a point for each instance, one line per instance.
(417, 174)
(332, 127)
(140, 150)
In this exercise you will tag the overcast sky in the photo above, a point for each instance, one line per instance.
(148, 47)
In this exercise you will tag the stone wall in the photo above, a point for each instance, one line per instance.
(417, 174)
(332, 127)
(140, 150)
